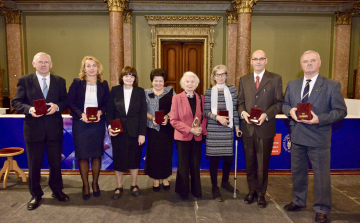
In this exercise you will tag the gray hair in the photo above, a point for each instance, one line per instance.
(192, 74)
(310, 51)
(40, 54)
(215, 70)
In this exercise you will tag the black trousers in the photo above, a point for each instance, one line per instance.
(35, 154)
(257, 157)
(214, 165)
(189, 155)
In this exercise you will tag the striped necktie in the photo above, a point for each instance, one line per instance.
(305, 96)
(45, 87)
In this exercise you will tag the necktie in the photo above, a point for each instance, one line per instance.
(257, 83)
(305, 96)
(45, 87)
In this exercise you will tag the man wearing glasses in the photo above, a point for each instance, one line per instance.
(261, 89)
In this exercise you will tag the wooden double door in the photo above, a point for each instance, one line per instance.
(179, 57)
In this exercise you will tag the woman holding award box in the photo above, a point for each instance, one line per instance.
(127, 103)
(89, 92)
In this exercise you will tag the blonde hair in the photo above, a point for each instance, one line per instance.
(215, 70)
(100, 75)
(191, 74)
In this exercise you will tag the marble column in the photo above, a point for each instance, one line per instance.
(127, 37)
(244, 9)
(357, 86)
(14, 48)
(116, 9)
(342, 50)
(231, 47)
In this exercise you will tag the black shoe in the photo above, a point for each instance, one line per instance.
(115, 195)
(261, 202)
(156, 189)
(184, 197)
(321, 217)
(166, 187)
(216, 194)
(61, 196)
(133, 192)
(96, 193)
(85, 196)
(34, 203)
(291, 207)
(250, 198)
(227, 186)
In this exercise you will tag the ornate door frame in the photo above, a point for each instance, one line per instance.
(184, 28)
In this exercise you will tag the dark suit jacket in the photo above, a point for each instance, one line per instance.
(327, 103)
(181, 117)
(135, 119)
(28, 90)
(268, 97)
(76, 97)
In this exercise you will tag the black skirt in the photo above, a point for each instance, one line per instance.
(158, 163)
(88, 139)
(126, 151)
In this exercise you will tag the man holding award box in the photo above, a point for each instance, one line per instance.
(259, 101)
(319, 98)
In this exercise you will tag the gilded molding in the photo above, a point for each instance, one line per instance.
(356, 6)
(12, 16)
(117, 5)
(344, 18)
(182, 17)
(232, 16)
(127, 15)
(2, 4)
(244, 6)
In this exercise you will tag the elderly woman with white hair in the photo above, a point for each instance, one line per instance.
(187, 118)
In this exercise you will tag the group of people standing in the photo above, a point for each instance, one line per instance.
(188, 118)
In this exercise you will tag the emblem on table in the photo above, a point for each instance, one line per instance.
(287, 143)
(116, 126)
(196, 123)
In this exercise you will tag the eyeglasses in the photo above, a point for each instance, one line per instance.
(221, 75)
(261, 59)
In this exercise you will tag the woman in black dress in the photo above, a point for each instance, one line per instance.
(89, 90)
(159, 150)
(127, 103)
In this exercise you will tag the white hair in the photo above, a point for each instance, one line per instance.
(192, 74)
(310, 51)
(40, 54)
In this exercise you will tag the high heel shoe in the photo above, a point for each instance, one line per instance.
(96, 193)
(85, 196)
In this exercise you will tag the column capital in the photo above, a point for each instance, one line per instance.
(127, 15)
(232, 16)
(12, 16)
(117, 5)
(244, 6)
(344, 18)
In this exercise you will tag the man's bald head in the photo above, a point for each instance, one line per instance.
(258, 61)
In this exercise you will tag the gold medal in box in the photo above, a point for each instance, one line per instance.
(196, 123)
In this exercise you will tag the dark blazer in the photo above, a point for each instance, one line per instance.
(268, 97)
(135, 119)
(327, 103)
(76, 97)
(181, 117)
(28, 90)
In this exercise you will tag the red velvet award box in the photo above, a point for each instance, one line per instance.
(223, 113)
(304, 111)
(255, 115)
(116, 126)
(159, 117)
(91, 113)
(40, 106)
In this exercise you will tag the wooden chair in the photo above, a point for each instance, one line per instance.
(11, 164)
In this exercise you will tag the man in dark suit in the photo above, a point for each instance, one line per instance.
(261, 89)
(42, 131)
(311, 139)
